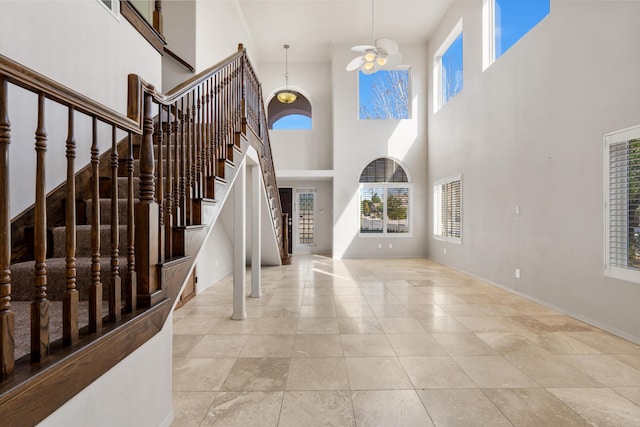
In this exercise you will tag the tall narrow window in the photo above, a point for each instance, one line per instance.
(384, 95)
(384, 199)
(506, 22)
(448, 68)
(622, 204)
(447, 209)
(306, 217)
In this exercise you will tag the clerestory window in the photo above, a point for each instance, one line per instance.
(384, 95)
(507, 21)
(448, 69)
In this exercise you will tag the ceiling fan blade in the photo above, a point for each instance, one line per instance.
(388, 45)
(355, 63)
(363, 48)
(394, 60)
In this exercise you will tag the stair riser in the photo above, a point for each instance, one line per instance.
(105, 211)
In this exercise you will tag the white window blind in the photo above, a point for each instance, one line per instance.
(447, 209)
(622, 204)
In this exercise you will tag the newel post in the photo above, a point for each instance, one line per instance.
(147, 214)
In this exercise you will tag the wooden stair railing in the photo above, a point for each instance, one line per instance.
(176, 148)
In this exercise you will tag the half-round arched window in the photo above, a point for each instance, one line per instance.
(385, 198)
(294, 116)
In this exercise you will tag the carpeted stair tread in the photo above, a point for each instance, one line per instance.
(22, 275)
(105, 211)
(83, 241)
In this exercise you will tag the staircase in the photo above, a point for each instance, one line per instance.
(113, 246)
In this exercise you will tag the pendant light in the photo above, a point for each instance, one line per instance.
(286, 96)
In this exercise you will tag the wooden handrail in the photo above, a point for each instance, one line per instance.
(35, 82)
(196, 134)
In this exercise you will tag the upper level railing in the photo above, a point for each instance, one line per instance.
(177, 145)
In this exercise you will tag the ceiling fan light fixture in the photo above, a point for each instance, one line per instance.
(380, 53)
(286, 96)
(370, 56)
(381, 60)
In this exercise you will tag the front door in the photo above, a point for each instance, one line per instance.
(286, 200)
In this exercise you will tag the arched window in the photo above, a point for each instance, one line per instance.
(384, 199)
(294, 116)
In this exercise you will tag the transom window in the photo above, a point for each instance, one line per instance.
(383, 95)
(384, 199)
(447, 209)
(448, 69)
(622, 204)
(507, 21)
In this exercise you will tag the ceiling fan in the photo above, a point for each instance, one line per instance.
(382, 52)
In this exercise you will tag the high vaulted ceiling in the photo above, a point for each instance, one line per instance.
(311, 26)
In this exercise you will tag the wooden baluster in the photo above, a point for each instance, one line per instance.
(95, 288)
(203, 138)
(160, 179)
(199, 140)
(209, 139)
(157, 16)
(216, 124)
(40, 306)
(177, 138)
(194, 152)
(188, 128)
(70, 297)
(147, 218)
(168, 205)
(131, 291)
(184, 179)
(7, 317)
(115, 285)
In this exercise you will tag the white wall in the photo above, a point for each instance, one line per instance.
(82, 46)
(79, 44)
(323, 215)
(528, 132)
(179, 19)
(359, 142)
(135, 392)
(302, 149)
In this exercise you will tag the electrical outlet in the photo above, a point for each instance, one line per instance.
(517, 273)
(445, 251)
(518, 209)
(379, 245)
(390, 245)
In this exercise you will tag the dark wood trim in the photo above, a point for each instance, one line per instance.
(180, 61)
(72, 369)
(144, 28)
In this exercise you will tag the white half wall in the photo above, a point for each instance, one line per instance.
(135, 392)
(528, 133)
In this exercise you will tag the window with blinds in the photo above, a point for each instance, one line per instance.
(384, 199)
(622, 204)
(447, 209)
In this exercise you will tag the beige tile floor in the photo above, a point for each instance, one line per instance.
(394, 343)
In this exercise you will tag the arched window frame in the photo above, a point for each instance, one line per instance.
(277, 110)
(388, 185)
